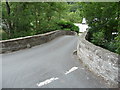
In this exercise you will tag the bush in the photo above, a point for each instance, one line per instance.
(117, 43)
(3, 35)
(64, 25)
(21, 33)
(98, 38)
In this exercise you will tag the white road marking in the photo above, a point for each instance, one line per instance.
(71, 70)
(53, 79)
(46, 81)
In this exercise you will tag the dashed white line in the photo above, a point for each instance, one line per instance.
(71, 70)
(56, 78)
(47, 81)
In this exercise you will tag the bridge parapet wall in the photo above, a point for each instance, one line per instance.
(30, 41)
(100, 61)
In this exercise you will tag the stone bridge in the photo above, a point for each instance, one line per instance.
(49, 61)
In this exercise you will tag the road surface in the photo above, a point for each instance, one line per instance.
(50, 65)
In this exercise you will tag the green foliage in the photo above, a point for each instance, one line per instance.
(98, 38)
(64, 25)
(117, 43)
(3, 35)
(75, 14)
(21, 34)
(103, 19)
(30, 18)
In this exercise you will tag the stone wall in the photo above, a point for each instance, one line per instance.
(30, 41)
(100, 61)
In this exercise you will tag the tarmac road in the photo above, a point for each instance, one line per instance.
(50, 65)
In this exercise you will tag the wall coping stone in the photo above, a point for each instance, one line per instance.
(16, 44)
(2, 41)
(83, 36)
(104, 57)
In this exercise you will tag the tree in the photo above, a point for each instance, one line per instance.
(102, 19)
(29, 18)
